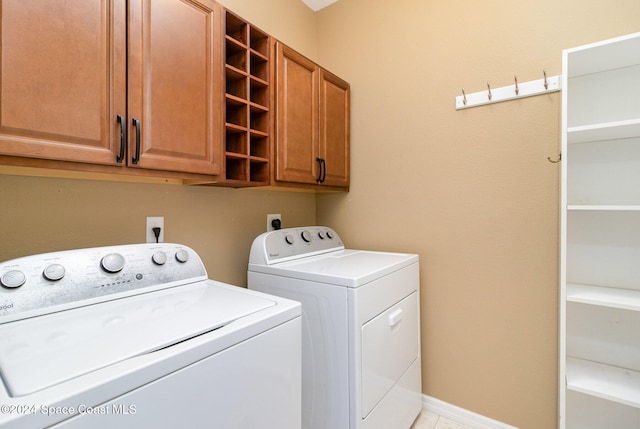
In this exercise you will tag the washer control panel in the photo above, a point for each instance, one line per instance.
(291, 243)
(40, 284)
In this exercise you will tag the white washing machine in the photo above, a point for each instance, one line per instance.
(136, 336)
(360, 326)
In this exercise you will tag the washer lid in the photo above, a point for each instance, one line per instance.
(351, 268)
(43, 351)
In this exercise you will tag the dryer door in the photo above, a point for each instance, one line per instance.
(390, 344)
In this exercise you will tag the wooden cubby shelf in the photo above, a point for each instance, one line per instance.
(247, 103)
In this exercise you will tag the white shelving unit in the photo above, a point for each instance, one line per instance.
(600, 236)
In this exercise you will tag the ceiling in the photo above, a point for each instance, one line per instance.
(316, 5)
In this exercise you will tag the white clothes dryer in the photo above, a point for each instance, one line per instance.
(136, 336)
(361, 366)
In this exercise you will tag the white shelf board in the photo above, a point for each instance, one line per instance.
(605, 131)
(605, 55)
(603, 207)
(604, 296)
(604, 381)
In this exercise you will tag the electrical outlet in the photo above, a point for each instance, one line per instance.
(270, 219)
(152, 222)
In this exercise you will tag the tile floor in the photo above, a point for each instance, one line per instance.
(427, 420)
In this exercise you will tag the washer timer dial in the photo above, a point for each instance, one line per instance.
(54, 272)
(13, 279)
(112, 263)
(159, 258)
(182, 256)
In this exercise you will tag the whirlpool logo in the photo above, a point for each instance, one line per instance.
(5, 307)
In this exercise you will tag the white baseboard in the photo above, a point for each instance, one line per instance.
(460, 415)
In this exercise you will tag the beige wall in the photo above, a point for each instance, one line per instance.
(40, 214)
(471, 191)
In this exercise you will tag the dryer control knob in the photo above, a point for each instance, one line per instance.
(306, 236)
(112, 263)
(330, 234)
(182, 256)
(289, 239)
(321, 235)
(54, 272)
(159, 258)
(13, 279)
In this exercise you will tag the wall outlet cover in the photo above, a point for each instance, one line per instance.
(154, 221)
(270, 219)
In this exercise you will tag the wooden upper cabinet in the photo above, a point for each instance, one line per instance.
(296, 116)
(334, 129)
(62, 79)
(312, 122)
(175, 86)
(74, 87)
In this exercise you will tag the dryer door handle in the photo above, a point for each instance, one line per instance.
(395, 317)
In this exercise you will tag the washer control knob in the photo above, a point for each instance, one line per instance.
(54, 272)
(112, 263)
(159, 258)
(329, 234)
(13, 279)
(182, 256)
(306, 236)
(289, 239)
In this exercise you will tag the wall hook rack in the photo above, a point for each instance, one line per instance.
(545, 85)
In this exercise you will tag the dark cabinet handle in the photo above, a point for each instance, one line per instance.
(123, 138)
(322, 173)
(136, 157)
(319, 161)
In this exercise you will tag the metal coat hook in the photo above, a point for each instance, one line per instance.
(546, 83)
(464, 97)
(489, 89)
(556, 161)
(517, 89)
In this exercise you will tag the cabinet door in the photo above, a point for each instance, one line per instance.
(297, 117)
(175, 93)
(62, 79)
(334, 128)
